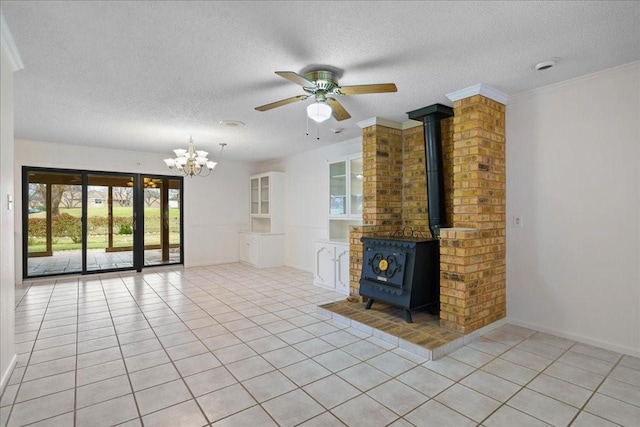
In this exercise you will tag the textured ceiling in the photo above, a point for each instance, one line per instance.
(145, 75)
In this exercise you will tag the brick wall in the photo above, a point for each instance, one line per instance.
(382, 192)
(473, 281)
(446, 126)
(414, 181)
(382, 181)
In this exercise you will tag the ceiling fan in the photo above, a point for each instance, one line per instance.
(323, 86)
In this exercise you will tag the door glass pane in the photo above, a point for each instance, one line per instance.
(255, 202)
(337, 189)
(54, 223)
(175, 238)
(356, 186)
(109, 222)
(264, 195)
(161, 220)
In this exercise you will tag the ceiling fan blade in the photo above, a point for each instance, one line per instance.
(361, 89)
(296, 78)
(339, 113)
(282, 102)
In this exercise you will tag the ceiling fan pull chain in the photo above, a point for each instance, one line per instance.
(317, 132)
(307, 125)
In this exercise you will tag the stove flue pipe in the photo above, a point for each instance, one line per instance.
(431, 117)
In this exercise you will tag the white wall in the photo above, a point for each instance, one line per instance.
(307, 198)
(7, 273)
(573, 162)
(216, 207)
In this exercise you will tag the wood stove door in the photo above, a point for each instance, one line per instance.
(383, 265)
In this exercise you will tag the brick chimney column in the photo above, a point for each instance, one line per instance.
(472, 252)
(382, 189)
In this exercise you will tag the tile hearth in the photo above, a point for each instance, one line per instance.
(424, 337)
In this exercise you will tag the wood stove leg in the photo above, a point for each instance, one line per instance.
(368, 304)
(407, 316)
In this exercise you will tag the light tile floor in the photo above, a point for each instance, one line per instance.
(230, 345)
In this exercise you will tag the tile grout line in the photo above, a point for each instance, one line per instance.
(75, 377)
(538, 375)
(595, 391)
(164, 348)
(239, 382)
(113, 325)
(193, 298)
(26, 366)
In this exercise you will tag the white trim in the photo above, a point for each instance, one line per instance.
(574, 337)
(380, 121)
(631, 67)
(389, 123)
(479, 89)
(9, 45)
(7, 374)
(411, 124)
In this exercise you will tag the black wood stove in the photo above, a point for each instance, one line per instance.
(403, 272)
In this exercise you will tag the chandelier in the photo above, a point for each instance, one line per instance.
(192, 162)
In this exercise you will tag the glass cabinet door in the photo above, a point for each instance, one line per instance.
(355, 207)
(338, 188)
(264, 195)
(255, 194)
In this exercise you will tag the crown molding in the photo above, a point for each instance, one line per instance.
(9, 45)
(411, 124)
(388, 123)
(380, 121)
(479, 89)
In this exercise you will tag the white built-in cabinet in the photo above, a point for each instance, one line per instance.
(263, 245)
(331, 263)
(262, 250)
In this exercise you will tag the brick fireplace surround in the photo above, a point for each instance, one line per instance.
(472, 251)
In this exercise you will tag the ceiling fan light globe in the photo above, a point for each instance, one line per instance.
(180, 152)
(319, 111)
(170, 162)
(211, 165)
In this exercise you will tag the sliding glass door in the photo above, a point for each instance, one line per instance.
(109, 222)
(162, 224)
(53, 217)
(87, 222)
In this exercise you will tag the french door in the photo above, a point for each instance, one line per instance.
(83, 222)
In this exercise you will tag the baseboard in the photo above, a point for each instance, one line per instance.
(215, 262)
(298, 267)
(7, 374)
(575, 337)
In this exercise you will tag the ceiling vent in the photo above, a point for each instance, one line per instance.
(545, 65)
